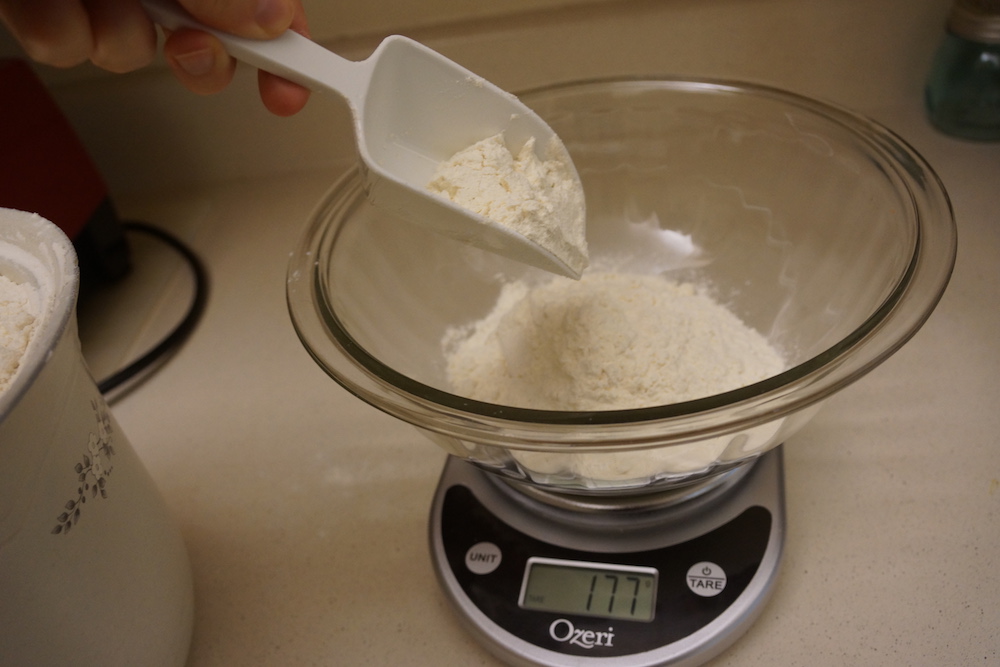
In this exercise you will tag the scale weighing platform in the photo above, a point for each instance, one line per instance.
(620, 581)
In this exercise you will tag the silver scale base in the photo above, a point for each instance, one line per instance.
(710, 560)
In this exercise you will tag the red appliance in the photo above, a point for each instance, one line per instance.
(45, 169)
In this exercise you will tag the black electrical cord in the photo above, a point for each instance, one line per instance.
(187, 324)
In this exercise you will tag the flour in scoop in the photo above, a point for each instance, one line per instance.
(540, 199)
(608, 341)
(17, 324)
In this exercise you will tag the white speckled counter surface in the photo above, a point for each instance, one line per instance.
(305, 510)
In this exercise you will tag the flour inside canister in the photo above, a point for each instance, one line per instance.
(18, 320)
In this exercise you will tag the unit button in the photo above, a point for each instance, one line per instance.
(706, 579)
(483, 558)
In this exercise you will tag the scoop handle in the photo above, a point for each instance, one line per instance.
(290, 55)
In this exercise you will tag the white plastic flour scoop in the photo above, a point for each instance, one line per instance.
(413, 109)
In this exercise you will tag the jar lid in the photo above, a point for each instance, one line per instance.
(978, 20)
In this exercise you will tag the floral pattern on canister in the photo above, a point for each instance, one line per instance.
(92, 471)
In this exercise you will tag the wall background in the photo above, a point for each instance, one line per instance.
(146, 132)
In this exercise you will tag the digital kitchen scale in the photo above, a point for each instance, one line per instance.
(554, 579)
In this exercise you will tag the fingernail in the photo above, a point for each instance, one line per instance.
(196, 63)
(273, 16)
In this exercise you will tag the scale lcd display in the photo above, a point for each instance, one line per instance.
(589, 589)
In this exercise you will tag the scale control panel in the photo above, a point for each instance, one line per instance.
(614, 604)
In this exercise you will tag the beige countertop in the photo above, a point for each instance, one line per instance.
(305, 510)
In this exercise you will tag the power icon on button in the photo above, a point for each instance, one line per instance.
(706, 579)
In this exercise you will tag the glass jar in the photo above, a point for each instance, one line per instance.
(963, 89)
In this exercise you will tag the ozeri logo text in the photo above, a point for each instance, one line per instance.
(564, 631)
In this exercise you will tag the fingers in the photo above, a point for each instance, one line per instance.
(114, 34)
(124, 38)
(280, 96)
(199, 61)
(52, 32)
(255, 19)
(118, 36)
(202, 65)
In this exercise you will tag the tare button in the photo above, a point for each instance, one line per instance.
(483, 558)
(706, 579)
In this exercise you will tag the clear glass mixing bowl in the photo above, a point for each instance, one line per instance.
(819, 228)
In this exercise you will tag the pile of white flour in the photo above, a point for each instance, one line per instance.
(539, 199)
(609, 341)
(17, 324)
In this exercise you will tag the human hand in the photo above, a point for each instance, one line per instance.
(116, 35)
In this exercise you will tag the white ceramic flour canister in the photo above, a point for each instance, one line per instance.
(93, 570)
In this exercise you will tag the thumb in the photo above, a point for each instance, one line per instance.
(256, 19)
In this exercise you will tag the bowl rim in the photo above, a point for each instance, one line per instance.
(890, 326)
